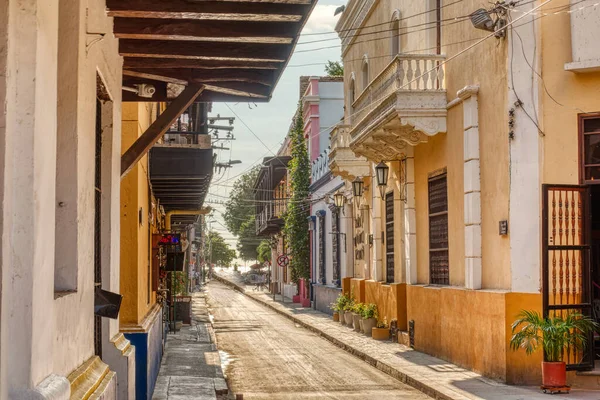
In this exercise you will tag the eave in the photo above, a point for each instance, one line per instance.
(237, 49)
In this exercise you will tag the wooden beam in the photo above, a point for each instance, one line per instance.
(209, 10)
(155, 77)
(199, 50)
(177, 75)
(144, 62)
(158, 128)
(194, 30)
(206, 97)
(241, 88)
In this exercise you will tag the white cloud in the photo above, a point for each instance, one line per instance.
(322, 19)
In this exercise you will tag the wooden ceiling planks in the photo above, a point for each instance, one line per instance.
(237, 48)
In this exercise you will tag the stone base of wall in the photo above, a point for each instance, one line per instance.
(148, 342)
(289, 291)
(324, 296)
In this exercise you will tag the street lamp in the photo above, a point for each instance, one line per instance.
(357, 187)
(339, 200)
(382, 171)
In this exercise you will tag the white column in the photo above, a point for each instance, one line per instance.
(27, 185)
(525, 179)
(376, 231)
(472, 187)
(410, 220)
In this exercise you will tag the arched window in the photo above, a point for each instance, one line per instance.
(395, 33)
(365, 72)
(352, 91)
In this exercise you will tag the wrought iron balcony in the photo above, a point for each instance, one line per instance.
(403, 105)
(319, 167)
(270, 194)
(342, 160)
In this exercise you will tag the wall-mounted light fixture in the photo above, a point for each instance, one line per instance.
(358, 186)
(382, 172)
(339, 200)
(481, 19)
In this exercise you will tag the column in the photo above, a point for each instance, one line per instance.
(410, 220)
(472, 187)
(377, 230)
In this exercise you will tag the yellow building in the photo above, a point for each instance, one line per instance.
(140, 316)
(452, 246)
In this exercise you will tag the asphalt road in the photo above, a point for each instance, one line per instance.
(270, 357)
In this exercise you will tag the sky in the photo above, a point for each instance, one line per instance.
(270, 121)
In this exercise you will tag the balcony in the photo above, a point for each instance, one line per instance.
(180, 171)
(342, 160)
(404, 105)
(270, 194)
(319, 170)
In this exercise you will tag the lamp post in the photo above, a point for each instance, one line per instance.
(382, 171)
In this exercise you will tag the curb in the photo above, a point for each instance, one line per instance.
(426, 388)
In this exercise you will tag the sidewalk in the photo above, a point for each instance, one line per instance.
(433, 376)
(191, 367)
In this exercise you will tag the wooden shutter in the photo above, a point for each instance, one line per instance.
(439, 270)
(389, 237)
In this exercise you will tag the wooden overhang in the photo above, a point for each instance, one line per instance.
(236, 49)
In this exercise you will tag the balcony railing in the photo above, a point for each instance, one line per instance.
(320, 167)
(269, 220)
(406, 72)
(195, 140)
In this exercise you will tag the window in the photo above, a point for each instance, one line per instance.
(438, 230)
(322, 245)
(389, 237)
(395, 33)
(352, 94)
(589, 140)
(365, 72)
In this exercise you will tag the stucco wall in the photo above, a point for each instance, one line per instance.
(135, 233)
(324, 296)
(577, 92)
(482, 319)
(55, 335)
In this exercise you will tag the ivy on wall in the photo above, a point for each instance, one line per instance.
(296, 217)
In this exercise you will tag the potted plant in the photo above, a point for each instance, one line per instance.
(369, 315)
(554, 335)
(381, 331)
(348, 307)
(338, 307)
(357, 316)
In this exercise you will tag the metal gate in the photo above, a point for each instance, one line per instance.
(566, 260)
(389, 237)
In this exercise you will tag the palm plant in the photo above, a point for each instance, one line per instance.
(554, 334)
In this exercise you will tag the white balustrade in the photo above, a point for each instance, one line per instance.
(406, 72)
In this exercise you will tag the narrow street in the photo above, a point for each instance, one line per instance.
(273, 358)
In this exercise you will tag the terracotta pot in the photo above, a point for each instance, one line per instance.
(356, 321)
(342, 321)
(336, 317)
(368, 325)
(380, 333)
(348, 318)
(554, 374)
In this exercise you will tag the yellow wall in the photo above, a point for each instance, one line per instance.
(576, 92)
(135, 237)
(472, 328)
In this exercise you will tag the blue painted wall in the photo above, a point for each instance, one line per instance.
(148, 354)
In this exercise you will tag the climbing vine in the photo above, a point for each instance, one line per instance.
(296, 217)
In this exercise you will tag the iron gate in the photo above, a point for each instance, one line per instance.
(566, 261)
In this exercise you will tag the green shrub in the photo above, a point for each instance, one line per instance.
(369, 311)
(340, 303)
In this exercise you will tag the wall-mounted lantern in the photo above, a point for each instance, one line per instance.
(358, 187)
(382, 171)
(339, 200)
